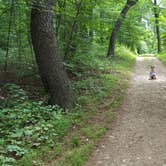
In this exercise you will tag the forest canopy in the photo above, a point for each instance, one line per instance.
(79, 25)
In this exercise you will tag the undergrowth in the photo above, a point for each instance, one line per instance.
(36, 134)
(162, 57)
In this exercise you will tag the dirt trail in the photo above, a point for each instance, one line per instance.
(139, 135)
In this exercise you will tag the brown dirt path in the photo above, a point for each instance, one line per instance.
(139, 135)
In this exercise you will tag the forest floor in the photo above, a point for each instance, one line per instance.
(138, 136)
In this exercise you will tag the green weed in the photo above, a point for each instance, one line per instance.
(76, 157)
(94, 132)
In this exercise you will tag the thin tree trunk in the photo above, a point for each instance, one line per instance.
(19, 38)
(90, 29)
(8, 38)
(29, 35)
(156, 14)
(48, 58)
(73, 29)
(62, 6)
(112, 42)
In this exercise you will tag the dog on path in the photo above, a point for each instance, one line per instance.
(152, 73)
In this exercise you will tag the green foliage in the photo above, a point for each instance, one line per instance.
(78, 26)
(6, 161)
(15, 96)
(109, 77)
(32, 132)
(75, 142)
(94, 132)
(162, 57)
(162, 20)
(125, 58)
(76, 157)
(18, 151)
(30, 125)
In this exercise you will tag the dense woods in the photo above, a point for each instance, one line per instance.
(57, 70)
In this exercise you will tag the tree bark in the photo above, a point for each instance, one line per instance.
(54, 78)
(112, 42)
(156, 14)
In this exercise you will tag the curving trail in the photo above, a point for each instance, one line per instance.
(138, 137)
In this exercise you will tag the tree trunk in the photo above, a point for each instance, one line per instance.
(59, 16)
(156, 14)
(111, 49)
(48, 58)
(8, 38)
(28, 14)
(73, 31)
(19, 41)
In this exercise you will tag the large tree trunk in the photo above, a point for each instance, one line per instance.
(48, 58)
(111, 49)
(156, 14)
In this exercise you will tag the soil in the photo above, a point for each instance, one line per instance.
(138, 137)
